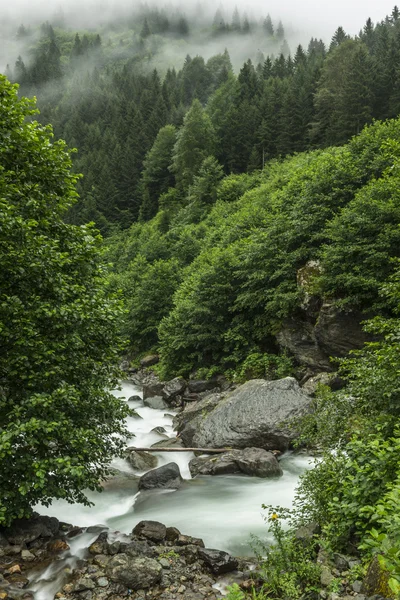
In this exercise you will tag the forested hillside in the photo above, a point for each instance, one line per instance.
(111, 92)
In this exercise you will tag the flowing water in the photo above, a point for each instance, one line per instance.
(225, 511)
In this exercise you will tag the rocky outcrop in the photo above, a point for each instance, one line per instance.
(167, 477)
(338, 332)
(250, 461)
(257, 414)
(154, 562)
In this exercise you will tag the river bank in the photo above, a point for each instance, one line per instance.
(222, 511)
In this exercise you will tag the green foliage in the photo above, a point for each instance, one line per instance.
(60, 426)
(195, 142)
(353, 492)
(263, 366)
(288, 566)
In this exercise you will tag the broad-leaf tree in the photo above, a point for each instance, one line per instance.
(59, 424)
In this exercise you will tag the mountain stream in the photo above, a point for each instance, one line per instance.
(225, 511)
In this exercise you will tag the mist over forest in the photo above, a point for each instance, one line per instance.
(112, 19)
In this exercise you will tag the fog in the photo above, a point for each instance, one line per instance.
(319, 17)
(301, 20)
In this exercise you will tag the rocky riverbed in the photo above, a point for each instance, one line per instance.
(132, 554)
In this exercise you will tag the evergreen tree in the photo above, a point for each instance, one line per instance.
(145, 31)
(157, 177)
(280, 32)
(236, 24)
(338, 38)
(268, 26)
(195, 141)
(183, 27)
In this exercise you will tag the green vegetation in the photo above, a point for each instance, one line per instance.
(59, 427)
(214, 190)
(209, 284)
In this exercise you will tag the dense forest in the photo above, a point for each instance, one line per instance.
(242, 206)
(104, 97)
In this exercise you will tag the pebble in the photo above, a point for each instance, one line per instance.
(102, 582)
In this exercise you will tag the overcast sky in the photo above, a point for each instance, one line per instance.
(318, 18)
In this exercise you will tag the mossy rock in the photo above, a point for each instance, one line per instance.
(377, 581)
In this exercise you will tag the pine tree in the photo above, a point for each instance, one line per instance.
(236, 25)
(145, 31)
(195, 141)
(157, 177)
(268, 26)
(280, 32)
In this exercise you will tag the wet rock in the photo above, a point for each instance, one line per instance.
(172, 442)
(152, 388)
(27, 556)
(152, 530)
(122, 480)
(173, 388)
(223, 464)
(149, 361)
(135, 573)
(186, 540)
(156, 402)
(57, 546)
(85, 583)
(23, 531)
(257, 462)
(18, 580)
(218, 561)
(257, 414)
(168, 476)
(159, 430)
(101, 560)
(134, 399)
(172, 534)
(142, 461)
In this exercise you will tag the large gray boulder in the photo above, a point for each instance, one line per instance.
(257, 414)
(188, 421)
(168, 476)
(137, 573)
(251, 461)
